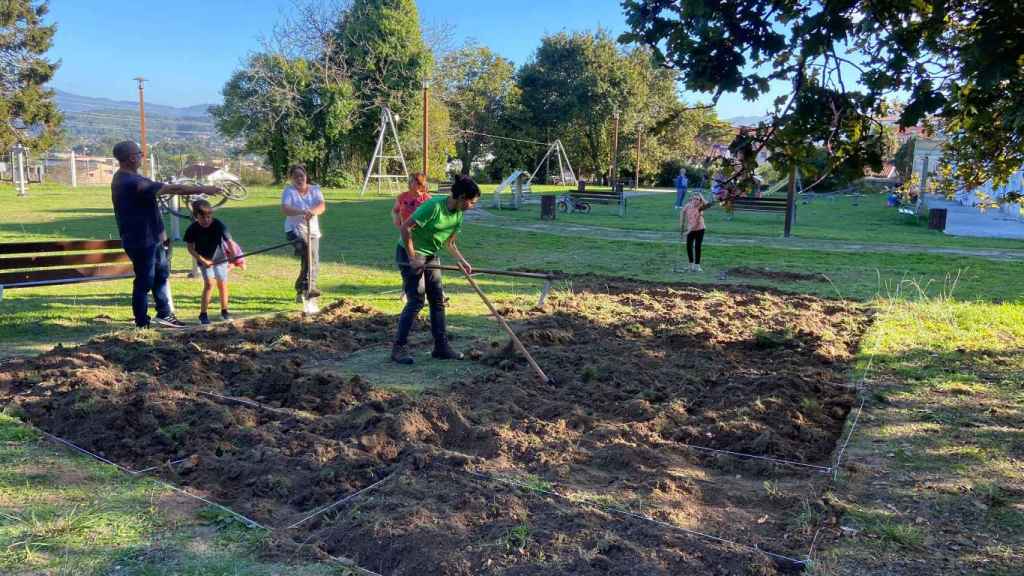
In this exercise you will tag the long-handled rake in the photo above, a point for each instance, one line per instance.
(501, 320)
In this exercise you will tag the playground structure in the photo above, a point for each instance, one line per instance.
(387, 160)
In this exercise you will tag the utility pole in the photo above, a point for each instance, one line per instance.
(142, 120)
(615, 151)
(426, 128)
(636, 179)
(790, 202)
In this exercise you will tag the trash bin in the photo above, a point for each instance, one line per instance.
(547, 207)
(937, 219)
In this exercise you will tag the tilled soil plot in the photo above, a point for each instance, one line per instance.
(499, 474)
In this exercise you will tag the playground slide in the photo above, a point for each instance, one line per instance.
(507, 182)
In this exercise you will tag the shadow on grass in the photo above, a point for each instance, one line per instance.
(935, 463)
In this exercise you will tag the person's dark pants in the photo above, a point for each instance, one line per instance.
(151, 272)
(310, 259)
(417, 284)
(680, 197)
(693, 241)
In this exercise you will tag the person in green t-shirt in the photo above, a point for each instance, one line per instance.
(434, 225)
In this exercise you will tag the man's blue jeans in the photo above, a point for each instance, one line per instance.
(680, 196)
(151, 272)
(420, 285)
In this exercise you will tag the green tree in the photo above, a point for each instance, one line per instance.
(957, 59)
(283, 109)
(576, 84)
(477, 86)
(27, 111)
(572, 89)
(381, 44)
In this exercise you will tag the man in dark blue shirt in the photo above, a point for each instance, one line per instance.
(142, 232)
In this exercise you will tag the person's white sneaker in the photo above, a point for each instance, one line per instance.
(696, 268)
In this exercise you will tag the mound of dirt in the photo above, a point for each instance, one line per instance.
(645, 372)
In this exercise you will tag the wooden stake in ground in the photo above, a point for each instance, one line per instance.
(515, 339)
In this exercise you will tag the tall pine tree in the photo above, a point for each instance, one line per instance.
(27, 112)
(388, 61)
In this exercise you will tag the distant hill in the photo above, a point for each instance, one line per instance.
(746, 120)
(89, 120)
(69, 102)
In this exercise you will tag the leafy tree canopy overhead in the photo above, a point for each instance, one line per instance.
(27, 112)
(959, 60)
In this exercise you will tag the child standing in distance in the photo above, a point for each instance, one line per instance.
(205, 239)
(407, 202)
(691, 222)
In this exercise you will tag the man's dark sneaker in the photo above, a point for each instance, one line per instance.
(169, 321)
(225, 315)
(204, 318)
(400, 355)
(298, 297)
(445, 352)
(314, 293)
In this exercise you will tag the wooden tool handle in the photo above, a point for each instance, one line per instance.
(504, 324)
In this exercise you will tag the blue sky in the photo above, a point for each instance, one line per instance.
(188, 48)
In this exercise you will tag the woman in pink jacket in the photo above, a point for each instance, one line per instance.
(691, 223)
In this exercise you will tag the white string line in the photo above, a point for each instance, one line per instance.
(526, 141)
(244, 519)
(856, 417)
(823, 469)
(246, 402)
(353, 566)
(814, 540)
(842, 449)
(839, 457)
(323, 509)
(248, 521)
(151, 468)
(86, 452)
(637, 516)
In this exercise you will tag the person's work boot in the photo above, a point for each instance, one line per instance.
(443, 351)
(400, 355)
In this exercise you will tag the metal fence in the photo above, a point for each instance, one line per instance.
(67, 168)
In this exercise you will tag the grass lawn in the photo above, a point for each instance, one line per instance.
(934, 475)
(357, 255)
(869, 221)
(931, 482)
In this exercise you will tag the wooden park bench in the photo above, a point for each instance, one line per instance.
(597, 196)
(760, 205)
(51, 262)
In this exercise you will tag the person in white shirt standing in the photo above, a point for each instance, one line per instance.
(302, 203)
